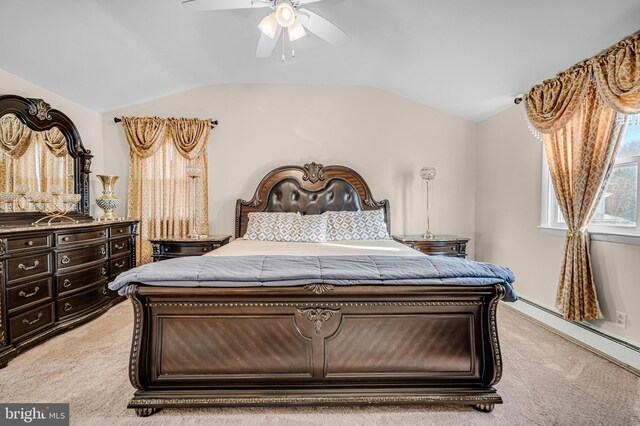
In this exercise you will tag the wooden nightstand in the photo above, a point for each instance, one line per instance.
(170, 248)
(441, 245)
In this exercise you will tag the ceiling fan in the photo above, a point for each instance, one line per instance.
(289, 14)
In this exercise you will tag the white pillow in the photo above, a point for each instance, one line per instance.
(291, 227)
(358, 225)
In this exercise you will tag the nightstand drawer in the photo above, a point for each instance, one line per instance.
(439, 248)
(166, 249)
(440, 245)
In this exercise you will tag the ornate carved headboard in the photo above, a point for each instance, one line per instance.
(310, 189)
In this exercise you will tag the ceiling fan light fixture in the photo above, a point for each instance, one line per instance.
(285, 15)
(269, 25)
(296, 31)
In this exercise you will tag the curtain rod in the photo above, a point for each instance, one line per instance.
(214, 123)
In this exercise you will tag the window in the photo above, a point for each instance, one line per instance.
(617, 212)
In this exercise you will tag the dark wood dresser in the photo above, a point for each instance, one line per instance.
(441, 245)
(54, 278)
(169, 248)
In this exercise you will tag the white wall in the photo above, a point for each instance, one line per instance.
(384, 137)
(508, 188)
(88, 122)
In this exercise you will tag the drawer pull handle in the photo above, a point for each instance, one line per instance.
(67, 307)
(120, 246)
(29, 243)
(27, 295)
(103, 271)
(66, 283)
(65, 238)
(103, 251)
(65, 260)
(120, 265)
(28, 268)
(205, 249)
(120, 231)
(104, 291)
(27, 322)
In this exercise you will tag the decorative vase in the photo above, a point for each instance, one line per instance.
(107, 201)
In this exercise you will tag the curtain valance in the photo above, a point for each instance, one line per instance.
(615, 73)
(146, 134)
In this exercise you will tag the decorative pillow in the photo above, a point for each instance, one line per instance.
(313, 228)
(273, 227)
(292, 227)
(358, 225)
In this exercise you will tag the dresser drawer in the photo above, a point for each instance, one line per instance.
(25, 295)
(65, 238)
(72, 305)
(120, 246)
(28, 243)
(120, 265)
(81, 256)
(121, 230)
(31, 321)
(72, 281)
(28, 266)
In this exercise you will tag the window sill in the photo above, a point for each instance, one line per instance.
(596, 236)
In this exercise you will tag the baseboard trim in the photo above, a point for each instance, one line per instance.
(620, 352)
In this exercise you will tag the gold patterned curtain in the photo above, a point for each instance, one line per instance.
(161, 151)
(580, 116)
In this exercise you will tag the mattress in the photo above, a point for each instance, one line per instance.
(240, 247)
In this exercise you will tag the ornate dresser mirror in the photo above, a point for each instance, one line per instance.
(44, 167)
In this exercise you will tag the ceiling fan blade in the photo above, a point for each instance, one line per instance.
(266, 44)
(222, 4)
(323, 28)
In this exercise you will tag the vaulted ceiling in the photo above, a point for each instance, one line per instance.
(465, 57)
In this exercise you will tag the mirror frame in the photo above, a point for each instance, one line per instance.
(38, 115)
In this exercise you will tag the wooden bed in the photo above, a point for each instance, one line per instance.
(317, 344)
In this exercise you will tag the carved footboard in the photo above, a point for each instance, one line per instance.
(314, 345)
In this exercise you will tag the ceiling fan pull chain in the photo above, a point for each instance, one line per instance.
(293, 50)
(283, 57)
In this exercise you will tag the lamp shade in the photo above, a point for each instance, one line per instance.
(269, 25)
(285, 15)
(296, 31)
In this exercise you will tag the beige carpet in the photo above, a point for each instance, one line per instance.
(547, 381)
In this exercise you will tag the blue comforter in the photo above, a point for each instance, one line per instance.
(252, 271)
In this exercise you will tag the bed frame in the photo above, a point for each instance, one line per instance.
(317, 344)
